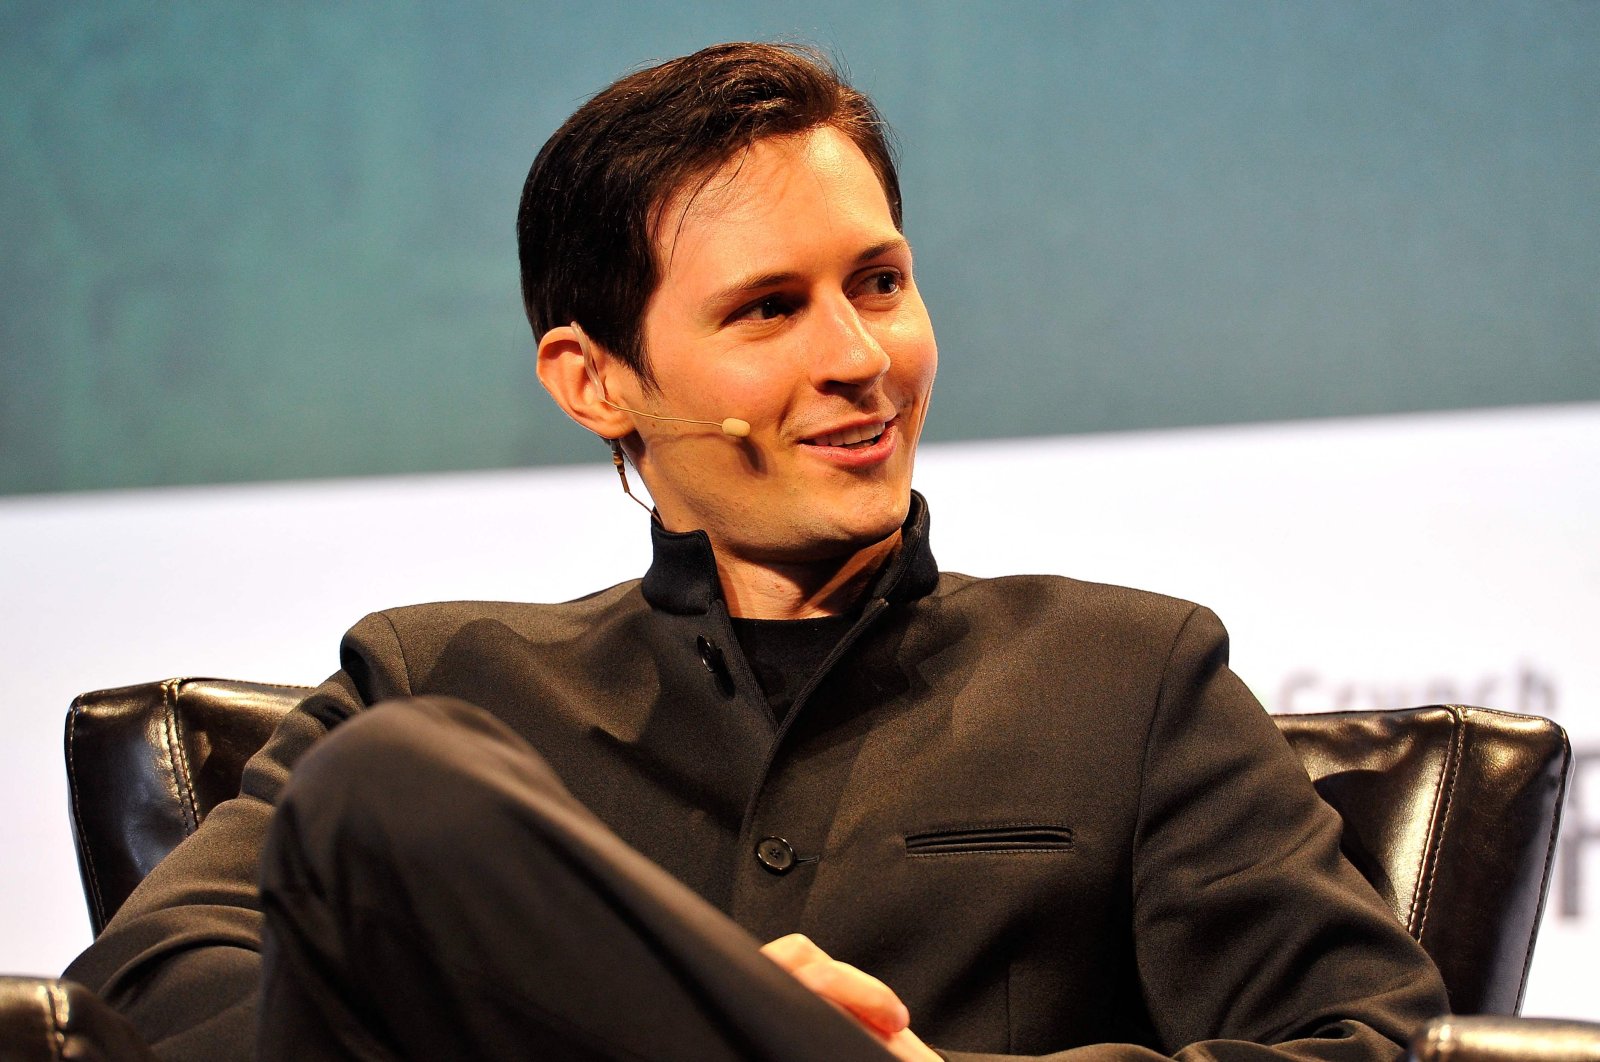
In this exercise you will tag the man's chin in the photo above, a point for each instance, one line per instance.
(844, 537)
(827, 533)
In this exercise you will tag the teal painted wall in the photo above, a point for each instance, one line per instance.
(245, 242)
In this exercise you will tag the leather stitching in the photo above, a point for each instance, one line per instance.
(1458, 737)
(178, 757)
(96, 900)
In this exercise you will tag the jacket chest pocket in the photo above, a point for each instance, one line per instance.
(1005, 839)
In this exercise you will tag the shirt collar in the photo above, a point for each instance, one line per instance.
(683, 572)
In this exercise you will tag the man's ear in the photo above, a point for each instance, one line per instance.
(572, 368)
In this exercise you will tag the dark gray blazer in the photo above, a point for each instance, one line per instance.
(1044, 811)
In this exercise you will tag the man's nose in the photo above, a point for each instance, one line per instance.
(847, 351)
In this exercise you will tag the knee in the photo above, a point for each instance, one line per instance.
(404, 773)
(389, 746)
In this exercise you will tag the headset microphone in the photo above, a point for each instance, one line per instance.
(732, 427)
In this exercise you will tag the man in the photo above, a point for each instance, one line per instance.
(1017, 816)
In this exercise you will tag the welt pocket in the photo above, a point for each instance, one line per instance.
(1012, 837)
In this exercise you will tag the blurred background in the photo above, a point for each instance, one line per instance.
(248, 243)
(1299, 304)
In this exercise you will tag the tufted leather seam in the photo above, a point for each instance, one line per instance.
(59, 1014)
(1458, 737)
(95, 897)
(178, 757)
(1549, 859)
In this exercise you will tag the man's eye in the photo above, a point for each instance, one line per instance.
(886, 282)
(767, 309)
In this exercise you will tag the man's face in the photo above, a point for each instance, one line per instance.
(786, 300)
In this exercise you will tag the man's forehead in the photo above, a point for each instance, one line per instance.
(736, 190)
(739, 210)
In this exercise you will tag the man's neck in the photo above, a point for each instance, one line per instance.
(801, 590)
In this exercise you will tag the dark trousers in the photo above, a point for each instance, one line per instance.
(433, 892)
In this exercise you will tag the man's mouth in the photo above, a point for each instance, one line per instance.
(857, 438)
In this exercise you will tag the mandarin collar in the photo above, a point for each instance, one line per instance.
(683, 570)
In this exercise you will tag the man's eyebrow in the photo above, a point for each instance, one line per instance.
(751, 284)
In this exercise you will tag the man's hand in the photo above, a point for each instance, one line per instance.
(858, 994)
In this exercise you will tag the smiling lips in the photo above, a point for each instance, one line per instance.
(859, 437)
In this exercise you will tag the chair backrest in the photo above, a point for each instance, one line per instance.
(147, 763)
(1450, 812)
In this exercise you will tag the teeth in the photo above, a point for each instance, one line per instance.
(864, 433)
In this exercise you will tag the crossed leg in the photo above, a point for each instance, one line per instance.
(432, 891)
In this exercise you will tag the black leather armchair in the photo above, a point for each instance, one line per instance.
(1451, 812)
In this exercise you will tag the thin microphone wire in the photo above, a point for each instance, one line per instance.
(622, 474)
(732, 427)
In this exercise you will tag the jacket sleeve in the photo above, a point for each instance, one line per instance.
(182, 957)
(1254, 937)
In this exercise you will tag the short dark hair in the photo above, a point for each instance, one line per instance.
(590, 207)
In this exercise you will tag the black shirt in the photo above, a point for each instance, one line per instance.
(784, 654)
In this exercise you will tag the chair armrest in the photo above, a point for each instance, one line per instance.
(1497, 1038)
(44, 1020)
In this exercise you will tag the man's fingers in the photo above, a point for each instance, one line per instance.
(872, 1002)
(793, 950)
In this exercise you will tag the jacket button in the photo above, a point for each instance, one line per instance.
(776, 854)
(711, 657)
